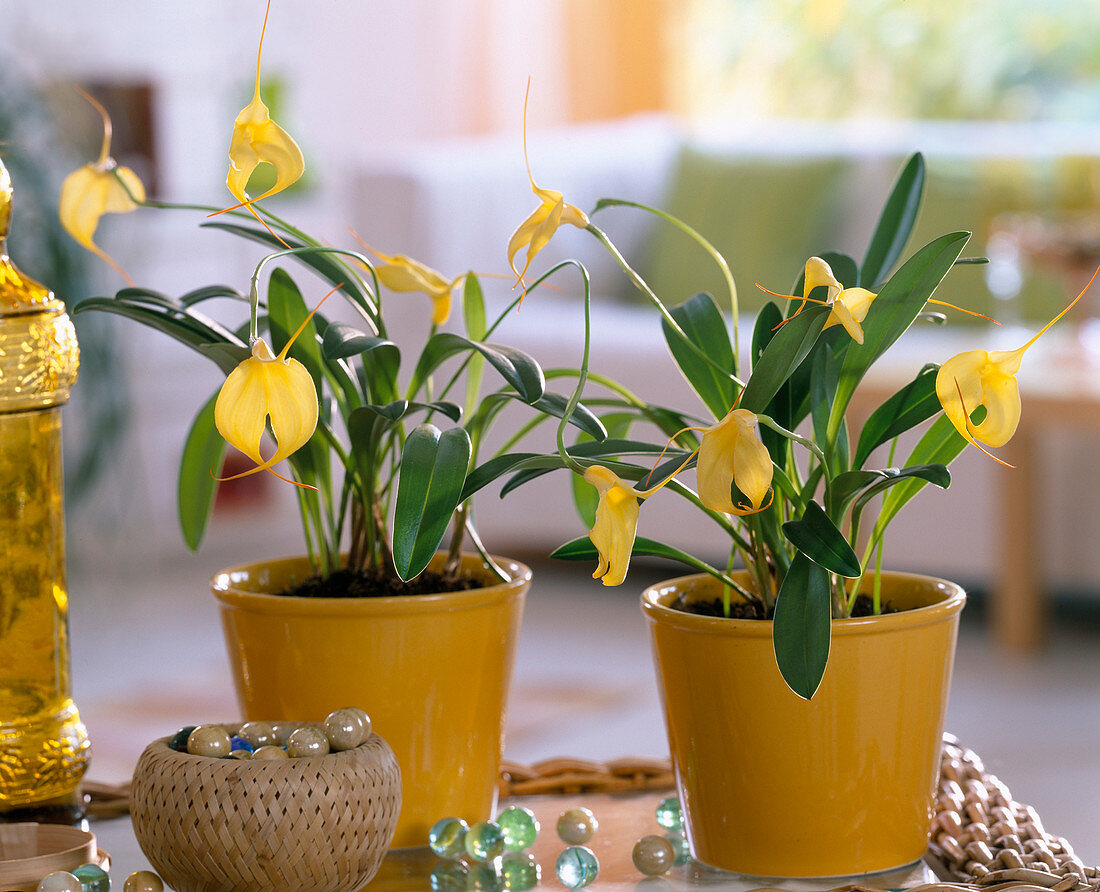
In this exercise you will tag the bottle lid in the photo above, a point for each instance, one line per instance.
(19, 293)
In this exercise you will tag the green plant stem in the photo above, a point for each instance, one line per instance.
(769, 422)
(714, 253)
(643, 286)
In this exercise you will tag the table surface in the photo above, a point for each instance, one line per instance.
(623, 819)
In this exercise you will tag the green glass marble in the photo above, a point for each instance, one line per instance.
(680, 849)
(484, 841)
(519, 826)
(484, 877)
(93, 878)
(179, 739)
(577, 867)
(447, 838)
(448, 876)
(520, 871)
(577, 826)
(670, 815)
(653, 855)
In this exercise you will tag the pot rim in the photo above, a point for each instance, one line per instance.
(230, 588)
(952, 597)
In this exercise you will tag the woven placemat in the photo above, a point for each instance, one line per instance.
(980, 835)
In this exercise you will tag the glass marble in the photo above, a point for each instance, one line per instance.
(362, 713)
(484, 877)
(93, 878)
(270, 752)
(653, 855)
(179, 739)
(283, 730)
(143, 881)
(307, 741)
(448, 876)
(345, 729)
(447, 838)
(239, 743)
(670, 815)
(519, 826)
(208, 740)
(520, 871)
(576, 867)
(484, 841)
(258, 734)
(680, 848)
(577, 826)
(59, 881)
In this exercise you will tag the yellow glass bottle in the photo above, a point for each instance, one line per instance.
(43, 744)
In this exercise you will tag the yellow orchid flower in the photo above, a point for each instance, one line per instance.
(988, 378)
(401, 273)
(536, 231)
(616, 523)
(731, 453)
(849, 305)
(97, 189)
(263, 387)
(257, 139)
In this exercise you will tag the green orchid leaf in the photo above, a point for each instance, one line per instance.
(936, 474)
(894, 310)
(767, 323)
(473, 313)
(429, 489)
(210, 292)
(817, 537)
(286, 309)
(327, 266)
(941, 444)
(702, 322)
(187, 331)
(895, 225)
(914, 403)
(517, 368)
(582, 549)
(203, 452)
(227, 356)
(822, 386)
(381, 358)
(445, 407)
(801, 626)
(786, 349)
(554, 404)
(846, 486)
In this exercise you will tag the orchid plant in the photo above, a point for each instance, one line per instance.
(798, 493)
(379, 452)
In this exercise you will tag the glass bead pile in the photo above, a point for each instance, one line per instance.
(576, 867)
(342, 729)
(93, 878)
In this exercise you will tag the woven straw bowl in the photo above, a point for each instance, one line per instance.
(315, 824)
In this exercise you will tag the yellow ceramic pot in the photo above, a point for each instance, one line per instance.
(431, 670)
(774, 785)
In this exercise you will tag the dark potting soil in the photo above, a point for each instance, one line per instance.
(375, 584)
(864, 606)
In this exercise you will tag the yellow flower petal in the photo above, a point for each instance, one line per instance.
(257, 139)
(553, 211)
(731, 453)
(400, 273)
(819, 273)
(266, 387)
(849, 308)
(94, 190)
(616, 524)
(982, 378)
